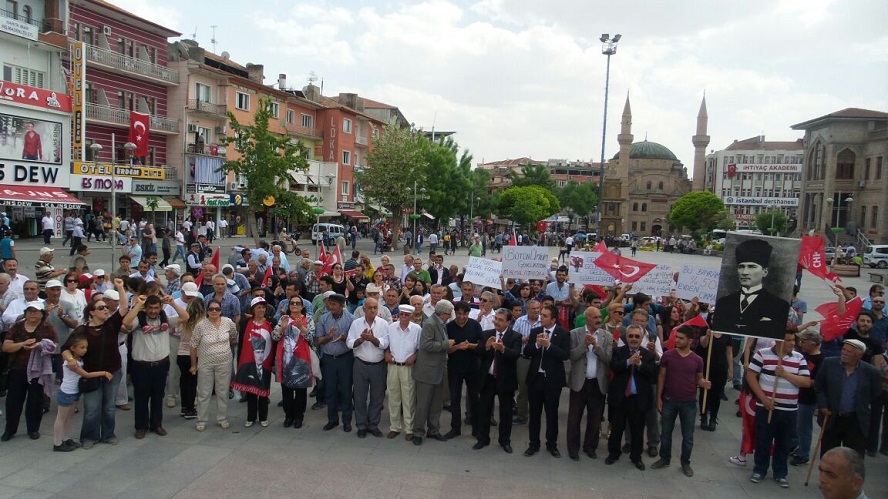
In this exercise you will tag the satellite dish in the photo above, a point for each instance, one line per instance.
(225, 55)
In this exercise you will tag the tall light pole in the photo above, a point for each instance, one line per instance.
(471, 213)
(608, 48)
(96, 149)
(415, 215)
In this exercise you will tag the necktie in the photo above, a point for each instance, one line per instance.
(496, 353)
(744, 302)
(628, 392)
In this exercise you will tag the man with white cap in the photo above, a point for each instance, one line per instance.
(100, 280)
(44, 269)
(16, 308)
(403, 337)
(372, 291)
(847, 391)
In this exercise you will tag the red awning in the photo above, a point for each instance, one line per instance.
(19, 195)
(353, 214)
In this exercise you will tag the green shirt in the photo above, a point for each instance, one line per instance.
(475, 250)
(422, 275)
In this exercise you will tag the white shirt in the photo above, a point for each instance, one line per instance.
(77, 301)
(367, 351)
(486, 321)
(187, 225)
(17, 285)
(180, 238)
(403, 343)
(47, 223)
(150, 347)
(499, 339)
(223, 223)
(146, 278)
(591, 357)
(433, 238)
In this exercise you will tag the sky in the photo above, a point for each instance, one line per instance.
(517, 78)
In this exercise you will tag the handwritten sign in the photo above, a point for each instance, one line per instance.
(658, 282)
(525, 262)
(699, 281)
(583, 270)
(484, 272)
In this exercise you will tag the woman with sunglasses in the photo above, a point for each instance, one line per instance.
(294, 334)
(614, 323)
(211, 341)
(101, 329)
(75, 296)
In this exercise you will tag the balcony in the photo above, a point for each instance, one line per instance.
(303, 132)
(199, 106)
(206, 149)
(116, 116)
(20, 18)
(130, 66)
(361, 139)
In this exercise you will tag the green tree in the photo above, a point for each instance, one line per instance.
(153, 202)
(527, 205)
(697, 210)
(396, 164)
(578, 200)
(447, 179)
(267, 160)
(772, 222)
(533, 174)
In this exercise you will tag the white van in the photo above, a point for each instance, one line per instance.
(333, 231)
(876, 256)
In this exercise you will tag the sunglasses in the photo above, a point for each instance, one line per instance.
(633, 336)
(486, 301)
(102, 307)
(71, 280)
(618, 312)
(214, 309)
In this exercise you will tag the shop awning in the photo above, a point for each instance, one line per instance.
(19, 195)
(176, 203)
(357, 215)
(162, 205)
(429, 216)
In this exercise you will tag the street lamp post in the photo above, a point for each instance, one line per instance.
(415, 215)
(608, 48)
(773, 208)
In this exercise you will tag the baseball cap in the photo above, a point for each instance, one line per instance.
(54, 283)
(112, 294)
(99, 273)
(190, 289)
(256, 301)
(44, 250)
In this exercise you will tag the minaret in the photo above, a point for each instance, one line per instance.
(625, 141)
(700, 140)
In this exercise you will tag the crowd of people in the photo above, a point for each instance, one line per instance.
(356, 336)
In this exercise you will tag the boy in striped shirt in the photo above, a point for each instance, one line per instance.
(768, 376)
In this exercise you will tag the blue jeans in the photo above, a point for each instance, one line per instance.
(779, 431)
(180, 251)
(338, 382)
(687, 414)
(804, 428)
(99, 409)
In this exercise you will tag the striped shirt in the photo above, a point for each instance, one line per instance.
(764, 362)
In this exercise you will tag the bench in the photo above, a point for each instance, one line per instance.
(877, 277)
(846, 270)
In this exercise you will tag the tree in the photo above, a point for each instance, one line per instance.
(527, 205)
(533, 174)
(267, 161)
(447, 179)
(394, 166)
(697, 210)
(578, 200)
(152, 202)
(772, 222)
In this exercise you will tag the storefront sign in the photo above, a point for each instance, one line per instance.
(78, 81)
(18, 28)
(104, 169)
(340, 205)
(763, 168)
(32, 96)
(28, 174)
(208, 200)
(91, 183)
(760, 201)
(164, 188)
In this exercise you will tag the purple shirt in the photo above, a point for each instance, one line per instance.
(681, 375)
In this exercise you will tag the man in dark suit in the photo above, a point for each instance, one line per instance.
(849, 414)
(499, 350)
(752, 310)
(438, 272)
(548, 347)
(630, 395)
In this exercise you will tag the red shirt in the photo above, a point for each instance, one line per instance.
(681, 375)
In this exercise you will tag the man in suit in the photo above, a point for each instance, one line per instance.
(752, 310)
(548, 347)
(428, 374)
(499, 349)
(590, 354)
(438, 272)
(631, 395)
(849, 414)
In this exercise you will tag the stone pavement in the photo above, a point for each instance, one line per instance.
(309, 463)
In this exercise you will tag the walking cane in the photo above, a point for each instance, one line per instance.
(816, 449)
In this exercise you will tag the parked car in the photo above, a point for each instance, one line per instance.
(830, 252)
(876, 256)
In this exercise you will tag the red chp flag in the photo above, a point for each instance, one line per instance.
(266, 277)
(621, 268)
(697, 321)
(331, 260)
(812, 256)
(138, 132)
(833, 324)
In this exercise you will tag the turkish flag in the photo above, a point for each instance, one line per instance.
(266, 277)
(622, 268)
(600, 247)
(834, 325)
(812, 256)
(331, 260)
(697, 321)
(215, 262)
(138, 132)
(322, 255)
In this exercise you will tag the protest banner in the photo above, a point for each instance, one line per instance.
(525, 262)
(698, 280)
(582, 269)
(658, 282)
(484, 272)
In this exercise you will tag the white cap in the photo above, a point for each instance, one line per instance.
(54, 283)
(175, 268)
(44, 250)
(190, 289)
(406, 309)
(112, 294)
(328, 294)
(256, 301)
(99, 273)
(37, 305)
(372, 288)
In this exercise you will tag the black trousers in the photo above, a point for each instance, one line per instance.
(295, 401)
(187, 382)
(589, 400)
(256, 404)
(487, 396)
(456, 381)
(543, 394)
(843, 430)
(23, 394)
(622, 415)
(149, 385)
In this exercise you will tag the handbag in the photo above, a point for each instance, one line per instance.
(87, 385)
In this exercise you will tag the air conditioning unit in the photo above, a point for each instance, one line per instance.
(106, 30)
(233, 186)
(222, 129)
(192, 128)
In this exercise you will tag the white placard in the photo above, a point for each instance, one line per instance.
(484, 272)
(656, 283)
(525, 262)
(583, 270)
(700, 281)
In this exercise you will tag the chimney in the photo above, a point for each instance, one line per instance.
(349, 100)
(312, 92)
(256, 72)
(282, 81)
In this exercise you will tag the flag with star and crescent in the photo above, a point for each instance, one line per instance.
(138, 132)
(621, 268)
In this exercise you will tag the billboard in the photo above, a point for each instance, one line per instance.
(764, 168)
(29, 139)
(761, 201)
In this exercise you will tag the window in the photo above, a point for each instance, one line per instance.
(27, 14)
(344, 190)
(242, 101)
(649, 185)
(291, 116)
(121, 99)
(202, 92)
(77, 31)
(862, 220)
(634, 226)
(866, 171)
(660, 185)
(306, 121)
(874, 216)
(346, 157)
(845, 165)
(23, 76)
(644, 207)
(88, 35)
(274, 108)
(634, 206)
(643, 226)
(879, 168)
(346, 125)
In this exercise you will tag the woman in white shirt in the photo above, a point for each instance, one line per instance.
(73, 295)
